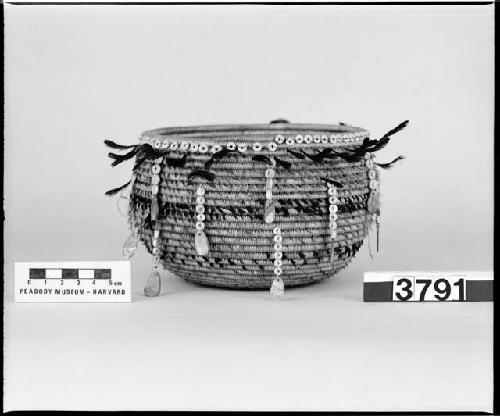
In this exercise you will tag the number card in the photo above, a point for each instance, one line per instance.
(428, 287)
(73, 282)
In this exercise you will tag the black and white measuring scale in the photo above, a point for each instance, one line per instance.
(72, 282)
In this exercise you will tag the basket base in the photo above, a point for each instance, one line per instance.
(257, 282)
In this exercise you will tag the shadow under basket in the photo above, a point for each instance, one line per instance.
(241, 206)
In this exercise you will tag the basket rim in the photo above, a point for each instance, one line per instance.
(253, 128)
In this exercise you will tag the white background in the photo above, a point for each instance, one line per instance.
(75, 75)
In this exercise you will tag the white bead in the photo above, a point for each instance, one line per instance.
(155, 179)
(203, 148)
(257, 147)
(332, 191)
(174, 146)
(200, 225)
(200, 191)
(194, 147)
(157, 144)
(299, 138)
(278, 247)
(279, 139)
(333, 208)
(278, 271)
(272, 146)
(200, 209)
(231, 145)
(278, 263)
(155, 169)
(276, 230)
(242, 148)
(269, 173)
(317, 138)
(324, 139)
(216, 148)
(200, 217)
(200, 200)
(165, 144)
(308, 139)
(290, 141)
(372, 174)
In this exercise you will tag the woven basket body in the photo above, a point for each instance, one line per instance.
(241, 242)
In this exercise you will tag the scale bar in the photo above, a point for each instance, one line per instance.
(86, 274)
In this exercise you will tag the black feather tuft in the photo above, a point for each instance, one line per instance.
(261, 158)
(111, 144)
(122, 158)
(390, 164)
(177, 163)
(384, 140)
(114, 191)
(296, 154)
(201, 173)
(283, 163)
(336, 183)
(217, 156)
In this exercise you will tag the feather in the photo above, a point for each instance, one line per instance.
(114, 191)
(391, 163)
(111, 144)
(348, 157)
(296, 154)
(177, 162)
(204, 174)
(121, 158)
(333, 182)
(217, 156)
(384, 140)
(261, 158)
(283, 163)
(318, 157)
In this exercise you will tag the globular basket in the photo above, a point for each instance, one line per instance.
(236, 206)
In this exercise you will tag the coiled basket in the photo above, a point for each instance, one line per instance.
(293, 200)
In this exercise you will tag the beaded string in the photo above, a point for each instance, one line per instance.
(374, 198)
(130, 245)
(270, 206)
(153, 283)
(333, 208)
(155, 181)
(200, 239)
(278, 286)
